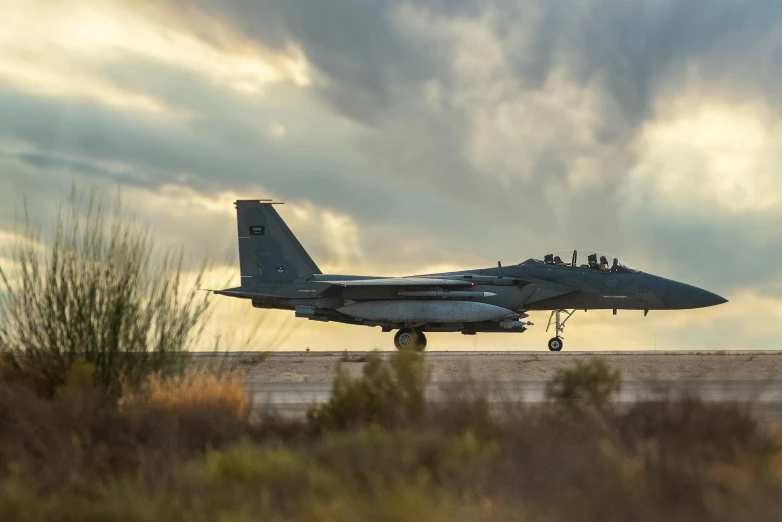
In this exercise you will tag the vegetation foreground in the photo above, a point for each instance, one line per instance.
(193, 448)
(101, 421)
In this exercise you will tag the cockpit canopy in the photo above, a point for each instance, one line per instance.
(586, 259)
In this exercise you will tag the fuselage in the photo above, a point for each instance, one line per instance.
(531, 285)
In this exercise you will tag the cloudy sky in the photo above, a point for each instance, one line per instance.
(422, 135)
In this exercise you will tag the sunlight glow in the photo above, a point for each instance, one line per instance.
(714, 153)
(59, 48)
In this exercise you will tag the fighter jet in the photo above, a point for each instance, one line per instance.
(276, 272)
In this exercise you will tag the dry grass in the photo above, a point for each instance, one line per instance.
(187, 449)
(193, 390)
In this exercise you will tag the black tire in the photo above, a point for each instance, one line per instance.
(421, 342)
(555, 344)
(407, 339)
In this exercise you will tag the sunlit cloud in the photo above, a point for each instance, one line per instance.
(702, 156)
(58, 49)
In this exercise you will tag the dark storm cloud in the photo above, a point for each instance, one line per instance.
(224, 152)
(223, 147)
(374, 141)
(639, 48)
(630, 53)
(634, 48)
(350, 41)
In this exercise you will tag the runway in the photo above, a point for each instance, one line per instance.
(292, 382)
(525, 366)
(763, 398)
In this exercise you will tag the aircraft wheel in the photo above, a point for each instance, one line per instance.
(555, 344)
(407, 339)
(421, 342)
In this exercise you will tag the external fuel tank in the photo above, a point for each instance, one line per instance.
(399, 311)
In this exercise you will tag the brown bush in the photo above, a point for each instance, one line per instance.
(193, 390)
(83, 435)
(389, 393)
(587, 387)
(187, 449)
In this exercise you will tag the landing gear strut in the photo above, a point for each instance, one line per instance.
(407, 339)
(556, 343)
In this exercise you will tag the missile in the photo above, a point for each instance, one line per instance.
(514, 325)
(441, 293)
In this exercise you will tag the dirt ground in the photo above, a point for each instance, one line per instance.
(520, 366)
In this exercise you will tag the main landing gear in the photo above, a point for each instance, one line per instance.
(408, 339)
(555, 344)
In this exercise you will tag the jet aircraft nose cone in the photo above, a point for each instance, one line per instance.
(681, 296)
(718, 300)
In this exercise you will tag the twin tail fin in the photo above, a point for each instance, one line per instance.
(269, 253)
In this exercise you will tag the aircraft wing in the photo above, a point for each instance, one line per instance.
(400, 281)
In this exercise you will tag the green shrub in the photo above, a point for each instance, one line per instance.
(589, 386)
(389, 393)
(99, 293)
(157, 456)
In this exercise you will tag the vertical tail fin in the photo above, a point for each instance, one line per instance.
(268, 250)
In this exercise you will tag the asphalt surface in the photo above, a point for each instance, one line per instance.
(309, 393)
(293, 382)
(765, 398)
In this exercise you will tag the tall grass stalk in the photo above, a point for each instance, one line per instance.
(102, 293)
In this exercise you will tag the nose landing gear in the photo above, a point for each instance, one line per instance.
(408, 339)
(555, 344)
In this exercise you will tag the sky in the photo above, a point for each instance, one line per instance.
(419, 136)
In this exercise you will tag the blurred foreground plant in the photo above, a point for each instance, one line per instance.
(588, 386)
(192, 390)
(184, 449)
(388, 393)
(102, 293)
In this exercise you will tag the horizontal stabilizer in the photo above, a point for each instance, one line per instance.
(240, 292)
